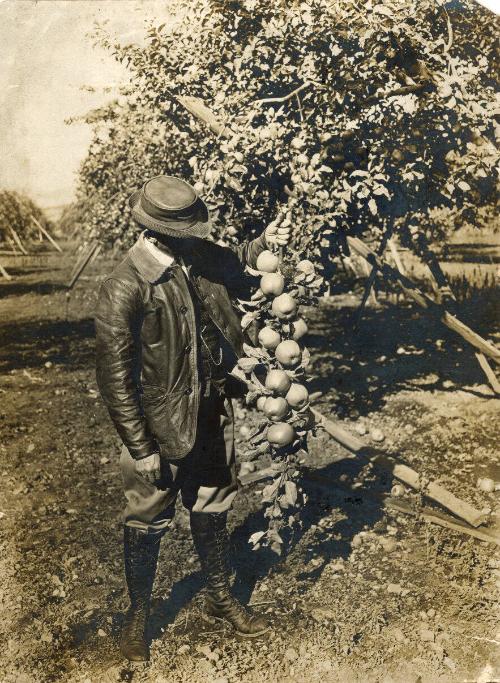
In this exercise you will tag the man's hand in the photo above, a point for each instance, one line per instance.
(149, 468)
(275, 234)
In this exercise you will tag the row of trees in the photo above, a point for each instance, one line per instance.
(334, 117)
(18, 217)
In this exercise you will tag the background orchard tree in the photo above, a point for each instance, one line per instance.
(17, 212)
(334, 118)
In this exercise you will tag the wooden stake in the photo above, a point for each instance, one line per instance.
(17, 240)
(437, 517)
(396, 257)
(488, 371)
(426, 302)
(45, 232)
(5, 273)
(83, 263)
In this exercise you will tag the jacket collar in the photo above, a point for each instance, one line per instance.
(149, 267)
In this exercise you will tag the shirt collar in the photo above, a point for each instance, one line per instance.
(150, 264)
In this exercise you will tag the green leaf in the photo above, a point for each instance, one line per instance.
(247, 364)
(255, 537)
(291, 492)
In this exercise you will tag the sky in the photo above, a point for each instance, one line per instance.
(45, 59)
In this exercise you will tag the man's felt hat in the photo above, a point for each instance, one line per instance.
(170, 206)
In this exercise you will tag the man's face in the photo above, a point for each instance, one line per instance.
(183, 246)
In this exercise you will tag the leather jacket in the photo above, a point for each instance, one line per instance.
(146, 340)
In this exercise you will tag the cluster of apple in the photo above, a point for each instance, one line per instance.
(286, 398)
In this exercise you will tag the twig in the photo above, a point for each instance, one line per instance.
(262, 602)
(449, 27)
(285, 98)
(300, 108)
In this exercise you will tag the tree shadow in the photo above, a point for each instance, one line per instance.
(395, 348)
(356, 509)
(31, 344)
(166, 610)
(41, 288)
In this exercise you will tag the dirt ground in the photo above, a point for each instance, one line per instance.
(363, 595)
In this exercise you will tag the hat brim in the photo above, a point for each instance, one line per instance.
(180, 229)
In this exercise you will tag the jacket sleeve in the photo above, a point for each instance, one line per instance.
(248, 251)
(118, 322)
(240, 284)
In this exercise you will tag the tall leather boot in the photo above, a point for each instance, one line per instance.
(212, 545)
(141, 557)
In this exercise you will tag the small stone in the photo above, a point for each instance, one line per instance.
(184, 649)
(431, 613)
(279, 591)
(357, 541)
(104, 460)
(101, 633)
(360, 428)
(399, 636)
(31, 448)
(46, 637)
(291, 655)
(208, 652)
(320, 614)
(448, 384)
(377, 435)
(394, 588)
(437, 649)
(448, 661)
(427, 635)
(337, 566)
(48, 364)
(388, 544)
(486, 484)
(397, 490)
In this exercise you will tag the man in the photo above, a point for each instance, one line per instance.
(167, 337)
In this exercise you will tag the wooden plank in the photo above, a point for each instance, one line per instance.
(4, 273)
(424, 301)
(47, 235)
(83, 263)
(488, 371)
(432, 490)
(17, 240)
(437, 517)
(341, 435)
(427, 514)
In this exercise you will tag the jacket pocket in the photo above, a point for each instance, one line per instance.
(167, 416)
(151, 326)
